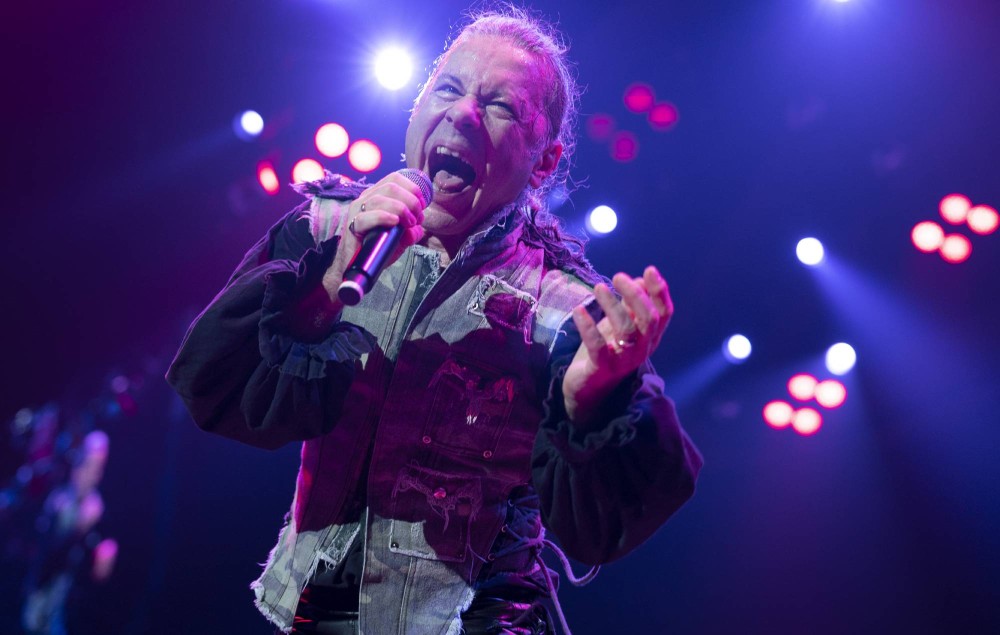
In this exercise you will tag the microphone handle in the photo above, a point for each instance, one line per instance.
(376, 248)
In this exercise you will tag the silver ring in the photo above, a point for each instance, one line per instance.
(362, 208)
(350, 228)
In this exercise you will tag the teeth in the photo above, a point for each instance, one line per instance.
(451, 153)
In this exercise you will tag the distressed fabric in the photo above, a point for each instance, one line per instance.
(445, 444)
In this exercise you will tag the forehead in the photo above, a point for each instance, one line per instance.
(495, 64)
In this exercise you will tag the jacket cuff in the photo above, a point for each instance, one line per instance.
(616, 425)
(284, 289)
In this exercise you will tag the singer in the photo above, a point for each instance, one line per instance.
(490, 387)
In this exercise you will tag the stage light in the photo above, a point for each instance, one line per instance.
(954, 208)
(602, 220)
(332, 140)
(306, 171)
(831, 393)
(248, 124)
(600, 126)
(806, 421)
(393, 68)
(956, 248)
(982, 219)
(778, 414)
(268, 178)
(364, 155)
(624, 147)
(927, 236)
(802, 386)
(663, 116)
(809, 251)
(639, 98)
(840, 358)
(737, 349)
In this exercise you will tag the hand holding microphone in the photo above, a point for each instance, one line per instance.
(384, 220)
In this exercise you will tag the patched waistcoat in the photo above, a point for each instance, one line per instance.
(438, 427)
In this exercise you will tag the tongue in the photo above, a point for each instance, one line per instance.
(448, 182)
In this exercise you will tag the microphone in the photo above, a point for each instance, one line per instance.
(376, 248)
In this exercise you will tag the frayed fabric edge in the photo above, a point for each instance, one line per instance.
(455, 627)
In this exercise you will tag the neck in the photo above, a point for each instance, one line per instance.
(441, 244)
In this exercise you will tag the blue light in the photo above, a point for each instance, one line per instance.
(602, 220)
(737, 349)
(810, 251)
(393, 68)
(248, 125)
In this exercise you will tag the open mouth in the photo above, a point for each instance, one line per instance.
(449, 171)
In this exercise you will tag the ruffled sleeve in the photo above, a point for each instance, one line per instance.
(240, 371)
(606, 489)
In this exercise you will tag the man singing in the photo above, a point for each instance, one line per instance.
(487, 386)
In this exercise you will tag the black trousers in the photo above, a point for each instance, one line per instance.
(503, 611)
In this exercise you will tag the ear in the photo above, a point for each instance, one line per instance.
(546, 164)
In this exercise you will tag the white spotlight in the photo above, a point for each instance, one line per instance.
(602, 220)
(248, 124)
(840, 358)
(809, 251)
(393, 68)
(737, 349)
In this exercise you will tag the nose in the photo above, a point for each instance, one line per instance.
(464, 113)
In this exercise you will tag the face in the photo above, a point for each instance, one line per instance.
(478, 131)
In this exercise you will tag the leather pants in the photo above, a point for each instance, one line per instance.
(505, 611)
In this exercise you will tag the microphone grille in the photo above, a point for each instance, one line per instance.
(421, 180)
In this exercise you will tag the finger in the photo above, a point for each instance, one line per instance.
(616, 313)
(398, 180)
(373, 219)
(377, 212)
(589, 333)
(659, 293)
(638, 303)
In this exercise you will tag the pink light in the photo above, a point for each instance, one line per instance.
(802, 386)
(639, 98)
(364, 155)
(831, 393)
(306, 171)
(956, 248)
(332, 140)
(954, 208)
(268, 178)
(624, 147)
(663, 116)
(927, 236)
(600, 126)
(982, 219)
(778, 414)
(806, 421)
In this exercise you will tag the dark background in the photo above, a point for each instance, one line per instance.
(128, 201)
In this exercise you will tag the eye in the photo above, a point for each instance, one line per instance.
(447, 89)
(507, 110)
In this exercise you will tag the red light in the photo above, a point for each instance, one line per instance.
(927, 236)
(982, 219)
(956, 248)
(802, 387)
(364, 155)
(831, 393)
(954, 208)
(624, 147)
(600, 126)
(306, 171)
(806, 421)
(639, 98)
(778, 414)
(663, 116)
(268, 178)
(332, 140)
